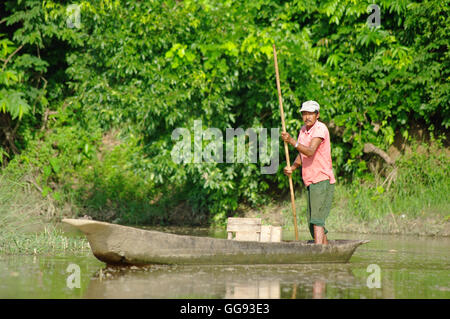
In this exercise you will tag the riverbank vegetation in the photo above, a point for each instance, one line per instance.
(28, 223)
(88, 107)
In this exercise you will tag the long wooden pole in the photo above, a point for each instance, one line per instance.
(286, 150)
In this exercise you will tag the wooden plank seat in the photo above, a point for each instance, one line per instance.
(245, 229)
(251, 229)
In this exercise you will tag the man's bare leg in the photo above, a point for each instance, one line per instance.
(319, 235)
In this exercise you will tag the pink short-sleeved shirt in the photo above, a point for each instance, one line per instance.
(318, 167)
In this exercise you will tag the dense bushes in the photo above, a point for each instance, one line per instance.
(148, 67)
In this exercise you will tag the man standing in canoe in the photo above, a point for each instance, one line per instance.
(313, 145)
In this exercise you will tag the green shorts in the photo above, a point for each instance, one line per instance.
(319, 197)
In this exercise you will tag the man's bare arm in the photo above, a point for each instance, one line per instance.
(294, 166)
(306, 150)
(297, 162)
(311, 149)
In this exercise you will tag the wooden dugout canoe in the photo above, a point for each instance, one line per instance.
(123, 245)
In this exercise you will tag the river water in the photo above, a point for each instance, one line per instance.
(387, 267)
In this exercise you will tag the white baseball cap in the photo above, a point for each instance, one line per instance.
(310, 106)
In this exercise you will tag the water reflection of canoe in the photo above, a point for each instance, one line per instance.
(225, 281)
(116, 244)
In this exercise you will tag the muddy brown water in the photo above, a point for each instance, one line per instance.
(387, 267)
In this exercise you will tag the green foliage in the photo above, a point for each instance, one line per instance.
(109, 189)
(32, 65)
(11, 98)
(148, 67)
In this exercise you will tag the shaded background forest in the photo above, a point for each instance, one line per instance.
(87, 113)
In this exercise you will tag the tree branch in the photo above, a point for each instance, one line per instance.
(10, 56)
(42, 93)
(46, 114)
(370, 148)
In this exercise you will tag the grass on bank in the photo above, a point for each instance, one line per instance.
(27, 223)
(50, 241)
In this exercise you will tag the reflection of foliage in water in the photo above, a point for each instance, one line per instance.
(43, 277)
